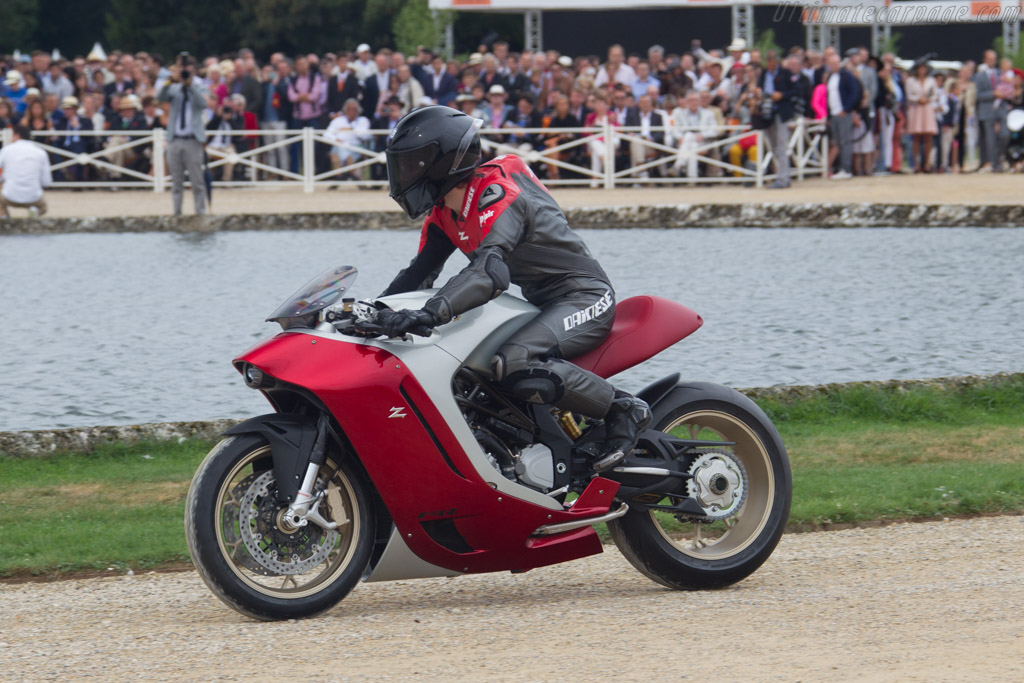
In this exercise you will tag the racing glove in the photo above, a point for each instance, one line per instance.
(398, 323)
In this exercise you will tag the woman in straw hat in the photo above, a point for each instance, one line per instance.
(922, 97)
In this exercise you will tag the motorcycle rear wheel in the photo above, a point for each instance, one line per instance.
(248, 560)
(685, 554)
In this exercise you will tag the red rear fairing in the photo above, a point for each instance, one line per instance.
(419, 467)
(644, 326)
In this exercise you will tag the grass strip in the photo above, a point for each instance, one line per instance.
(859, 454)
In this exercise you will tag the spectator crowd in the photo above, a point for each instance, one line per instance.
(881, 117)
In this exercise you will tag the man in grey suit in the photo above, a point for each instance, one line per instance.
(186, 133)
(991, 110)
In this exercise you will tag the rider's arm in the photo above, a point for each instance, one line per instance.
(487, 275)
(427, 265)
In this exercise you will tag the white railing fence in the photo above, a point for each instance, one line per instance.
(605, 156)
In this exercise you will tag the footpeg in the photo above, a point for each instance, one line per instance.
(627, 417)
(608, 461)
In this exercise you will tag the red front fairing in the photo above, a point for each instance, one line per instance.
(361, 386)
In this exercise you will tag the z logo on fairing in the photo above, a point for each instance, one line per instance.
(397, 411)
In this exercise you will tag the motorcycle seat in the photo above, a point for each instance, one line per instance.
(644, 326)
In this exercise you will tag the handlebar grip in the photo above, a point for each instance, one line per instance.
(363, 330)
(373, 330)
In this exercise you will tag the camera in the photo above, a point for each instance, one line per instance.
(184, 59)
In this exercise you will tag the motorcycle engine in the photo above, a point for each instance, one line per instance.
(536, 467)
(531, 466)
(500, 429)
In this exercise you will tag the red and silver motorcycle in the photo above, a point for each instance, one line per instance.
(392, 459)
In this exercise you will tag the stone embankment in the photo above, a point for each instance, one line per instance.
(85, 439)
(745, 215)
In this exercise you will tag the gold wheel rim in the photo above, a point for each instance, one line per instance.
(725, 539)
(337, 560)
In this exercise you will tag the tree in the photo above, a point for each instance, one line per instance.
(474, 28)
(197, 26)
(999, 45)
(18, 22)
(378, 21)
(892, 45)
(295, 26)
(73, 33)
(766, 41)
(416, 25)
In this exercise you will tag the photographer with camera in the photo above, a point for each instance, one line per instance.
(390, 113)
(227, 117)
(185, 132)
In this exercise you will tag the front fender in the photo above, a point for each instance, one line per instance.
(291, 439)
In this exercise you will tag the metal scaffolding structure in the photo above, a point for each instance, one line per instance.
(832, 37)
(534, 30)
(1011, 37)
(822, 20)
(881, 34)
(814, 37)
(743, 23)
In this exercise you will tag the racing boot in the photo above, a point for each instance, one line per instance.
(627, 417)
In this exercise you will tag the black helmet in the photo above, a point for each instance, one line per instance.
(430, 151)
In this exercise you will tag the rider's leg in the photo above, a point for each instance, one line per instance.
(532, 365)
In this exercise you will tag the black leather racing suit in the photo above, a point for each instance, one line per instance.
(514, 231)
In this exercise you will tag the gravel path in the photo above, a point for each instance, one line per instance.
(912, 602)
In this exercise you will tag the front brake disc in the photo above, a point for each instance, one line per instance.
(277, 552)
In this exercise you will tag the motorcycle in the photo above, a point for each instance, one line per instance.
(389, 459)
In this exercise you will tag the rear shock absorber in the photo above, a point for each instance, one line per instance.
(569, 425)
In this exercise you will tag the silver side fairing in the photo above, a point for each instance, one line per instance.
(400, 562)
(471, 339)
(474, 336)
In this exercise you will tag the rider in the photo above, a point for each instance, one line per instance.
(501, 216)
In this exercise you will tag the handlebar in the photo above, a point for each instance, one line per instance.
(368, 329)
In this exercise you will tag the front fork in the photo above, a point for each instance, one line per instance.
(306, 506)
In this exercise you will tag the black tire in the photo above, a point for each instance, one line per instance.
(759, 520)
(236, 576)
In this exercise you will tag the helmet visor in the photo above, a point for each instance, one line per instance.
(416, 200)
(407, 167)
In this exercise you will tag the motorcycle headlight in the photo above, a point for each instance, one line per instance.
(255, 378)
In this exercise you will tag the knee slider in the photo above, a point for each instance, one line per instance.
(510, 358)
(536, 386)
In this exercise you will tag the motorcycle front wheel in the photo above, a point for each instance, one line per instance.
(746, 514)
(254, 563)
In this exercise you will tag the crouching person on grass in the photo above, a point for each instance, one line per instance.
(24, 172)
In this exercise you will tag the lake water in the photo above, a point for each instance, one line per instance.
(131, 328)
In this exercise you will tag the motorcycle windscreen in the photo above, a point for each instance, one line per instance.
(319, 293)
